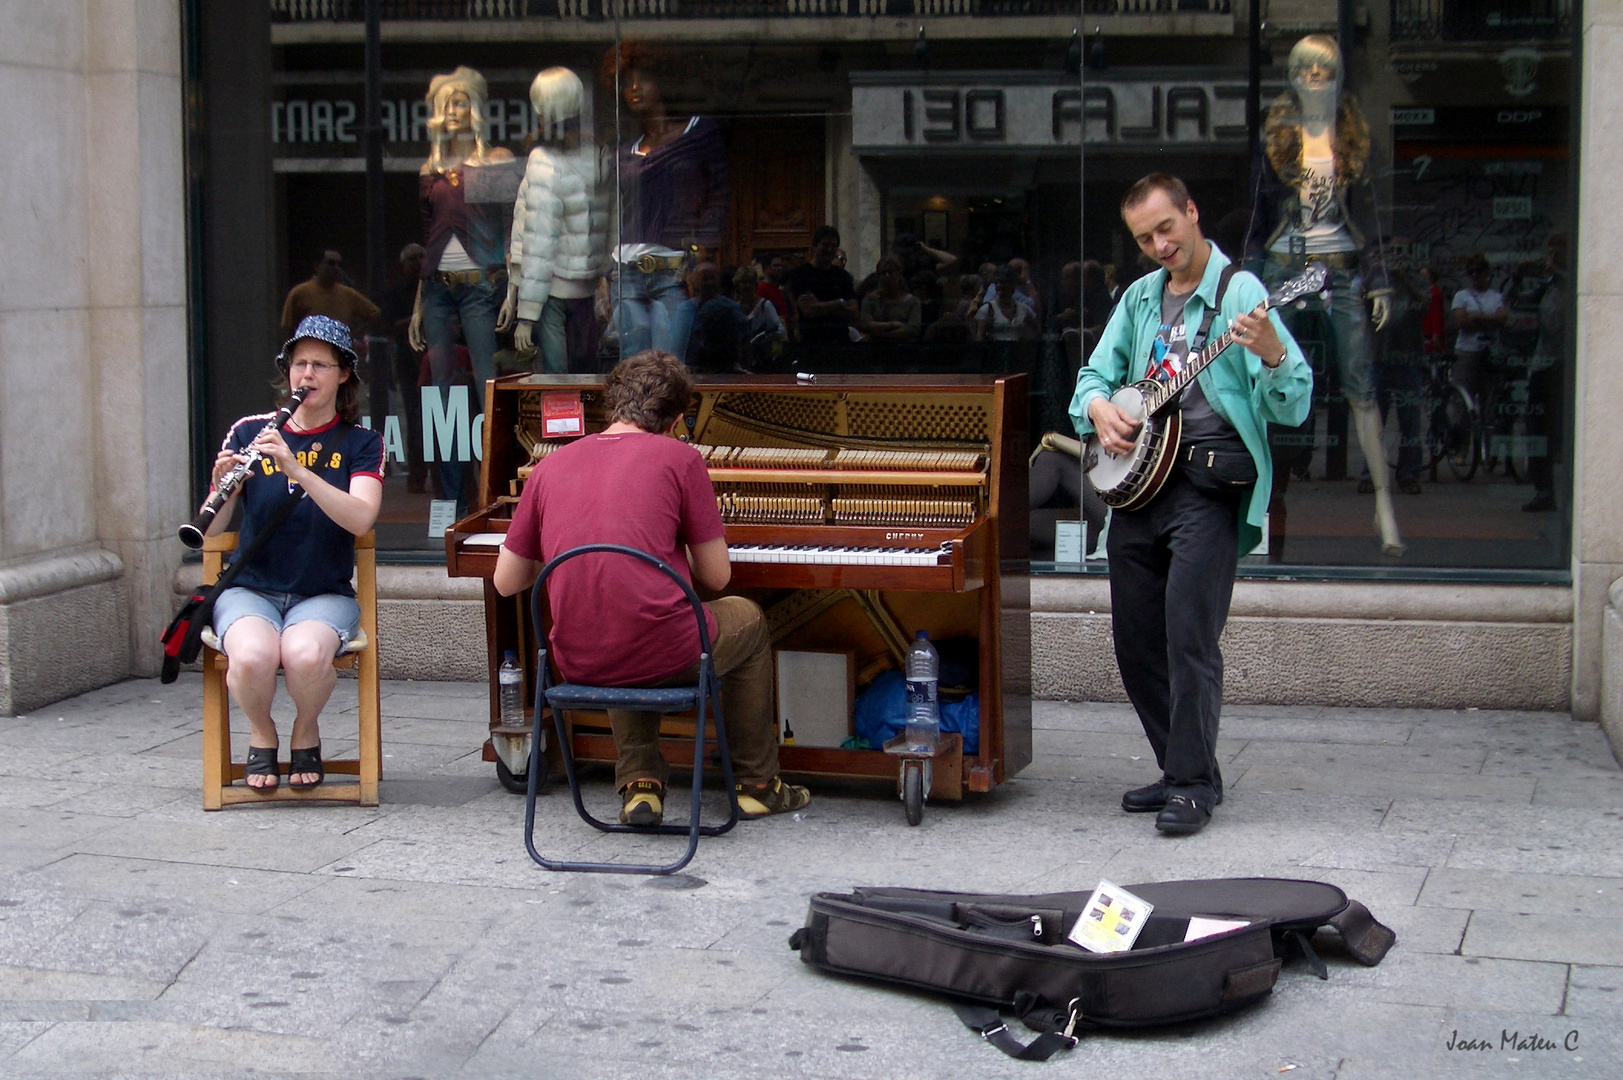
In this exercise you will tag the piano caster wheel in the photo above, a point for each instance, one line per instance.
(518, 784)
(913, 791)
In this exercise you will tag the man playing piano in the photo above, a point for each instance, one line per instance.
(1172, 561)
(620, 622)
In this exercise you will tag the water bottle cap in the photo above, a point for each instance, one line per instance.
(923, 635)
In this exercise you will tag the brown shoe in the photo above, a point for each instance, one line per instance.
(775, 798)
(643, 803)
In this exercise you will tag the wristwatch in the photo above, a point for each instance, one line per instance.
(1282, 354)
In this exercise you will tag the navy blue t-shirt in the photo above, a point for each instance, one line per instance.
(310, 554)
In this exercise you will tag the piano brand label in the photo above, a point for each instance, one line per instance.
(904, 536)
(562, 414)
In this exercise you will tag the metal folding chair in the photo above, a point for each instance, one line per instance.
(703, 695)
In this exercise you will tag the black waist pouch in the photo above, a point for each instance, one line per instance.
(1218, 468)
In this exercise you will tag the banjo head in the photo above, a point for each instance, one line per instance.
(1130, 400)
(1110, 472)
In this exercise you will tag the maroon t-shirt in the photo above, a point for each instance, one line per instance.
(618, 621)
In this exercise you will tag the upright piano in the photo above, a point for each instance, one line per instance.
(859, 510)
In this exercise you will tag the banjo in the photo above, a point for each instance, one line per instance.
(1129, 480)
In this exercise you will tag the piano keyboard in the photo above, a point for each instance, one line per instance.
(839, 556)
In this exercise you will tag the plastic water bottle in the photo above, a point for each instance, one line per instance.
(511, 696)
(923, 713)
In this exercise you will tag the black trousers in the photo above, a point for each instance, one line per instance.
(1171, 578)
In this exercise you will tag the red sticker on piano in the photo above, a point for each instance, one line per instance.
(562, 414)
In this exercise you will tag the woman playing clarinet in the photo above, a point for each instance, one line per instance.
(293, 607)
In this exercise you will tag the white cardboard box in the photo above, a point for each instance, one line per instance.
(816, 695)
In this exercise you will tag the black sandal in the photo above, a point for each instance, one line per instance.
(262, 762)
(307, 760)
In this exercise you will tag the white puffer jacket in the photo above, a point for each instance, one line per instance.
(560, 224)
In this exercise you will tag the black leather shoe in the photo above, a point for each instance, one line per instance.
(1148, 799)
(1182, 816)
(1145, 800)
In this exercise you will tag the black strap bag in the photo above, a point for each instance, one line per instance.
(995, 953)
(1218, 466)
(183, 640)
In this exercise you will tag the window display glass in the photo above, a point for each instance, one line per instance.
(894, 187)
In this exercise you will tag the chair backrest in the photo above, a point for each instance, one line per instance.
(617, 549)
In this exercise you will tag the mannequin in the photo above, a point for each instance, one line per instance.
(560, 229)
(465, 269)
(1320, 202)
(673, 201)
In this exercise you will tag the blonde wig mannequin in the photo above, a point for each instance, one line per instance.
(440, 89)
(556, 95)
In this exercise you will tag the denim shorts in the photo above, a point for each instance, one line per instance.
(282, 610)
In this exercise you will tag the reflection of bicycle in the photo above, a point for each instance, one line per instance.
(1453, 438)
(1464, 435)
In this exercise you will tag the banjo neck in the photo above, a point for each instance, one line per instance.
(1168, 391)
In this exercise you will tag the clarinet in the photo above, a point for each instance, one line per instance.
(191, 533)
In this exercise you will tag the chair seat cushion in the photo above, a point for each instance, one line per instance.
(632, 698)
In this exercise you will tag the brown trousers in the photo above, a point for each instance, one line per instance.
(742, 654)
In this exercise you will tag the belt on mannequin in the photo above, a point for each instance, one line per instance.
(649, 264)
(1335, 260)
(453, 279)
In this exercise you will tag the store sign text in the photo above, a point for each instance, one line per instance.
(338, 120)
(1109, 113)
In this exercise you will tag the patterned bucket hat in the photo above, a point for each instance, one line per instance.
(321, 328)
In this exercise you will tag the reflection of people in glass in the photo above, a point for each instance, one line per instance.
(1004, 317)
(890, 312)
(326, 294)
(673, 203)
(1544, 383)
(1479, 313)
(465, 271)
(822, 295)
(1319, 204)
(560, 230)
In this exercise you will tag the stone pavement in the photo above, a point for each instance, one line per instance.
(140, 935)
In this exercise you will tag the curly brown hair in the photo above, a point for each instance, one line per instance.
(650, 390)
(1282, 138)
(630, 55)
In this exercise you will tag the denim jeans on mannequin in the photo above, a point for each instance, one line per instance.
(1349, 324)
(1350, 330)
(475, 307)
(647, 311)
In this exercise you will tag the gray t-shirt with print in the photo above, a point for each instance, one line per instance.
(1201, 423)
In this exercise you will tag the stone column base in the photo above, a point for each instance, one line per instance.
(64, 628)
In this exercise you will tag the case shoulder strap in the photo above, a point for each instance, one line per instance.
(989, 1025)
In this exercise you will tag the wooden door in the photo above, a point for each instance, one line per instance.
(775, 165)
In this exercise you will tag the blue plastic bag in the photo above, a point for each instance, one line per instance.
(881, 713)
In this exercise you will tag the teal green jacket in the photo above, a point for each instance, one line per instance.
(1240, 389)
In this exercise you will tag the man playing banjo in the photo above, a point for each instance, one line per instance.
(1172, 560)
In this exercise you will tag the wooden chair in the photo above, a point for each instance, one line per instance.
(361, 654)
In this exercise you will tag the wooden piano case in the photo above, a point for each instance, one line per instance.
(930, 466)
